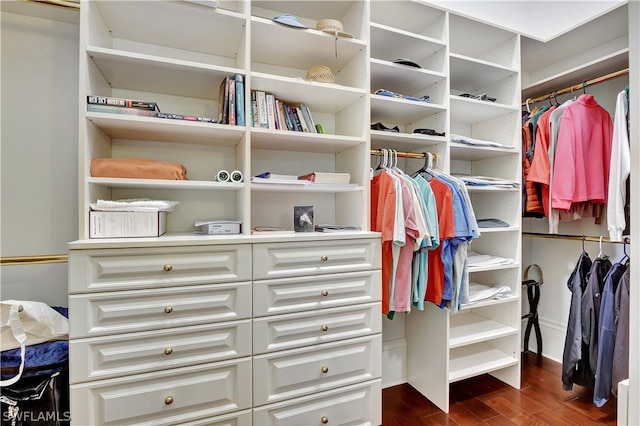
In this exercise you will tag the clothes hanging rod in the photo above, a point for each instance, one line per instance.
(578, 86)
(404, 154)
(33, 260)
(625, 240)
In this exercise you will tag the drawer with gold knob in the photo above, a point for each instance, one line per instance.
(153, 267)
(290, 259)
(287, 295)
(175, 396)
(357, 404)
(141, 310)
(290, 331)
(120, 355)
(303, 371)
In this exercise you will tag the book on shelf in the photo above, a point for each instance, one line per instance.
(271, 114)
(306, 114)
(303, 123)
(122, 102)
(263, 118)
(326, 177)
(271, 230)
(294, 119)
(232, 102)
(223, 102)
(185, 117)
(254, 110)
(285, 123)
(240, 110)
(121, 110)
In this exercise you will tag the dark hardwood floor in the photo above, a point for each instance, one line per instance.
(484, 400)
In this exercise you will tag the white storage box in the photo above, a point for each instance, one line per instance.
(126, 224)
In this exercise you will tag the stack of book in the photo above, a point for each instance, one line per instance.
(268, 112)
(122, 106)
(136, 107)
(231, 101)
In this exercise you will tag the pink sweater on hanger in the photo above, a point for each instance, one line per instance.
(583, 152)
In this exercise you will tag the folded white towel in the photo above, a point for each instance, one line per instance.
(134, 205)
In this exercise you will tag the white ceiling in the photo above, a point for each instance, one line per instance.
(540, 20)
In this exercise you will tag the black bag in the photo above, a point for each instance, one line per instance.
(37, 400)
(41, 395)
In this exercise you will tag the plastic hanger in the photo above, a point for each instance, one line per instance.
(625, 258)
(583, 248)
(584, 85)
(428, 161)
(527, 105)
(601, 255)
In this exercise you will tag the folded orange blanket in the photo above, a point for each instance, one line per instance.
(138, 168)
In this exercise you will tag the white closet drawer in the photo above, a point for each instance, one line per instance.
(290, 259)
(300, 372)
(242, 418)
(115, 312)
(309, 328)
(133, 353)
(322, 291)
(125, 269)
(351, 405)
(174, 396)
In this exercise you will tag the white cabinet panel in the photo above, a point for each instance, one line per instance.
(352, 405)
(299, 372)
(289, 295)
(105, 270)
(242, 418)
(139, 310)
(163, 399)
(318, 257)
(313, 327)
(132, 353)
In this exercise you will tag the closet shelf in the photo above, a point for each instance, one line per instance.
(493, 267)
(166, 130)
(319, 97)
(481, 189)
(401, 78)
(272, 43)
(470, 328)
(471, 74)
(315, 187)
(391, 43)
(480, 358)
(491, 302)
(160, 29)
(404, 141)
(154, 74)
(461, 151)
(470, 111)
(401, 111)
(302, 141)
(505, 229)
(164, 184)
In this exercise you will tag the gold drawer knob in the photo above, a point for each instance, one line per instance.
(168, 268)
(324, 420)
(324, 328)
(168, 309)
(168, 351)
(168, 400)
(325, 293)
(324, 258)
(325, 369)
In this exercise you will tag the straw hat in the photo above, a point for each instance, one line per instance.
(320, 73)
(332, 26)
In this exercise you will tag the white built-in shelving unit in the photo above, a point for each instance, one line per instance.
(457, 56)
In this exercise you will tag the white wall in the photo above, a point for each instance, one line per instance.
(540, 20)
(38, 152)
